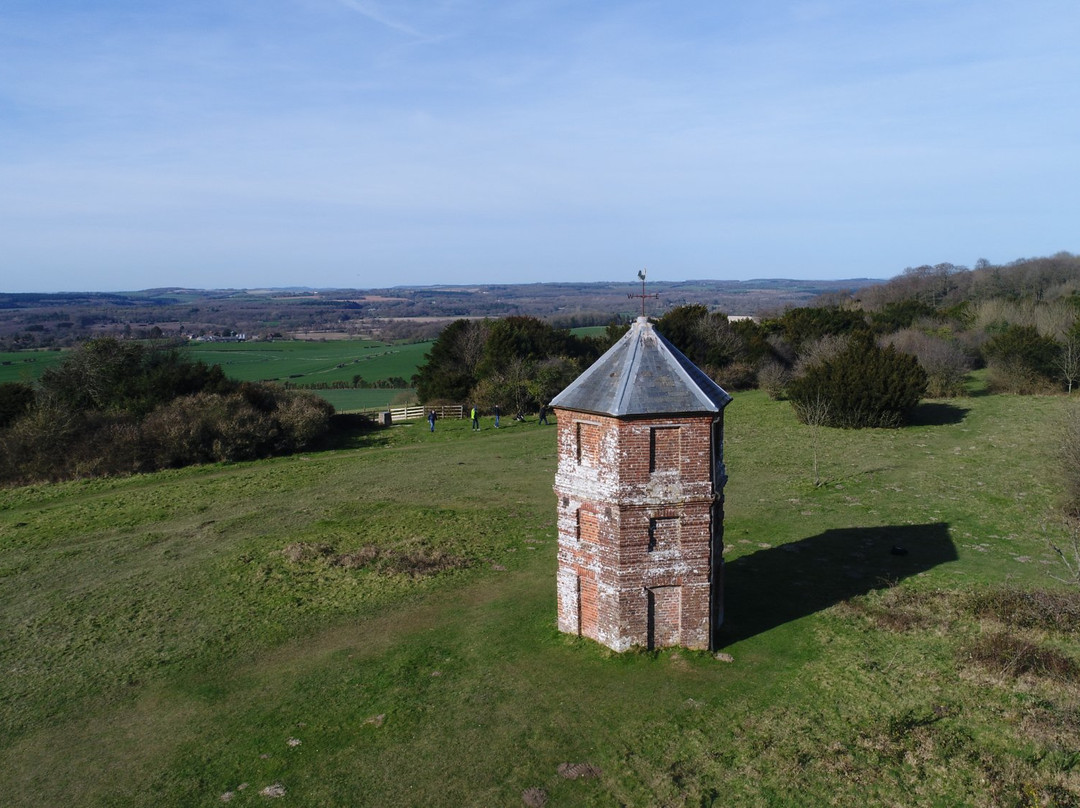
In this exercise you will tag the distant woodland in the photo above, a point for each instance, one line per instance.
(418, 313)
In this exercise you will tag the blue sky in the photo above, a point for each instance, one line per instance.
(353, 143)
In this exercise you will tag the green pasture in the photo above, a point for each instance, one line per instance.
(361, 399)
(187, 638)
(287, 360)
(589, 331)
(297, 361)
(27, 366)
(305, 362)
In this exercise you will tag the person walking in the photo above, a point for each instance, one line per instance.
(475, 419)
(543, 413)
(431, 419)
(496, 416)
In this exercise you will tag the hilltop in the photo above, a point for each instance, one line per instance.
(376, 625)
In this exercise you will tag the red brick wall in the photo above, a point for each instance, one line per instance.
(664, 444)
(615, 479)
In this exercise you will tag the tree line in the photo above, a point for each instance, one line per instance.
(850, 360)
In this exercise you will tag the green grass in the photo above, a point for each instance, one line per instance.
(160, 647)
(362, 399)
(307, 362)
(296, 361)
(27, 366)
(589, 331)
(302, 362)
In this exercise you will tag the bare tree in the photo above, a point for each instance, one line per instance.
(819, 351)
(471, 343)
(1068, 553)
(814, 412)
(945, 363)
(772, 377)
(716, 332)
(1068, 361)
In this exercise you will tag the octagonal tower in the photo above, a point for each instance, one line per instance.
(640, 485)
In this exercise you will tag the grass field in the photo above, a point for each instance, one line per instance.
(310, 362)
(27, 366)
(182, 638)
(295, 361)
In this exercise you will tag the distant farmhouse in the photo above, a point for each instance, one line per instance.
(213, 338)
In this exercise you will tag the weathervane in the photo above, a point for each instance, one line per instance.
(656, 295)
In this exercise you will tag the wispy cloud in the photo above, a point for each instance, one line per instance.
(376, 14)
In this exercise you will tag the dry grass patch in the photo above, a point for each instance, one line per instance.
(1027, 608)
(899, 609)
(1011, 655)
(416, 562)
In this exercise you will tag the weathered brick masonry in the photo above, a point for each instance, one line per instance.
(640, 498)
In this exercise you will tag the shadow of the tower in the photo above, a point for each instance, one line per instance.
(774, 586)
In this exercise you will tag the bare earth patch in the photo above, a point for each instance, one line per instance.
(577, 771)
(534, 797)
(276, 790)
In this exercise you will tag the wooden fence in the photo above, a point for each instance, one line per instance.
(398, 414)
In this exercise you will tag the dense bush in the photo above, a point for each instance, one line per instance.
(15, 399)
(865, 385)
(114, 375)
(1016, 377)
(449, 369)
(802, 325)
(120, 409)
(517, 363)
(899, 315)
(1021, 360)
(729, 352)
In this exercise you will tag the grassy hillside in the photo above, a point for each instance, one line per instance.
(375, 626)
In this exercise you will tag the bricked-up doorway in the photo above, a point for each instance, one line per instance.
(664, 617)
(587, 608)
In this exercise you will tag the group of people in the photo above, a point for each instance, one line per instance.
(474, 414)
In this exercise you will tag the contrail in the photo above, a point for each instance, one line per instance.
(372, 12)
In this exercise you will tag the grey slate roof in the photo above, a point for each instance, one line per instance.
(643, 374)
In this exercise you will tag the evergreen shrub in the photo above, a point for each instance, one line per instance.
(864, 385)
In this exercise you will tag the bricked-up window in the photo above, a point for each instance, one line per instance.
(588, 525)
(588, 443)
(663, 533)
(664, 449)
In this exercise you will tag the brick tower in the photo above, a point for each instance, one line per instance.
(640, 485)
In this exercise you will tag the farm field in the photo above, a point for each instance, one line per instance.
(375, 625)
(311, 362)
(26, 366)
(294, 361)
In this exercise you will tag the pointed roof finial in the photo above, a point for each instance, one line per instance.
(656, 295)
